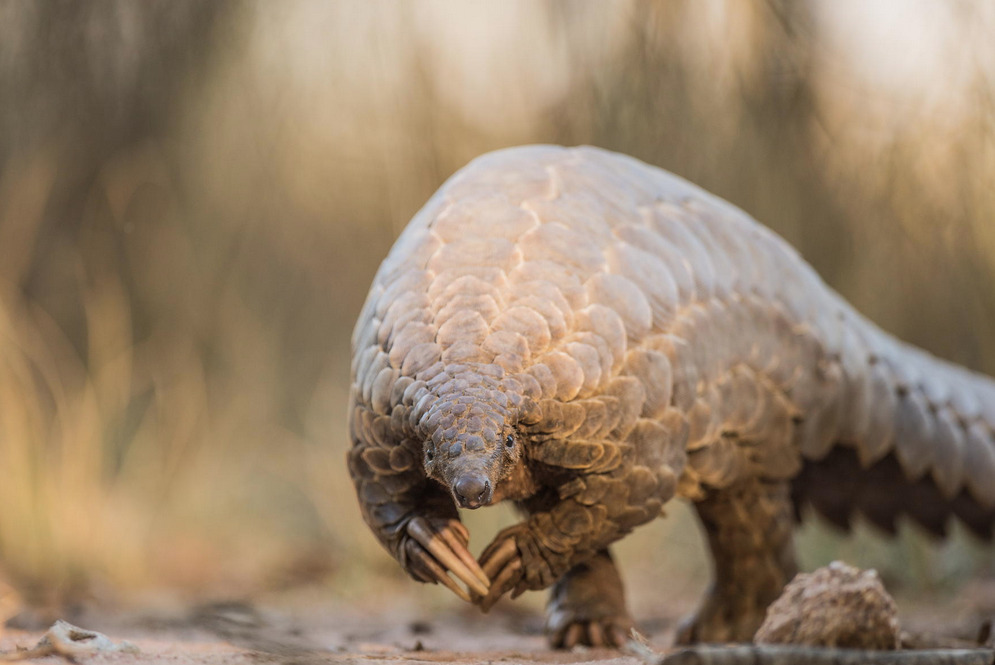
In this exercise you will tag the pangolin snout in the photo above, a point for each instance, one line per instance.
(472, 490)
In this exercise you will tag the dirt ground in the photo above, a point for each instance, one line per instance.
(236, 632)
(319, 630)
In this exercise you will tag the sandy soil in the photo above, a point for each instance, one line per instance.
(324, 631)
(334, 633)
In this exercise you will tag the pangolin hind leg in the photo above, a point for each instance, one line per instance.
(587, 606)
(749, 527)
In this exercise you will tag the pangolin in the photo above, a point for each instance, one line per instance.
(588, 336)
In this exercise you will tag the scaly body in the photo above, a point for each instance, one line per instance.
(588, 336)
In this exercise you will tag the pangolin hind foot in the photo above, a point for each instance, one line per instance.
(588, 336)
(587, 606)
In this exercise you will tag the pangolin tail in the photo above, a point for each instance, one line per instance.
(916, 437)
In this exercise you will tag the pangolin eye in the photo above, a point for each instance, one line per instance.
(509, 442)
(429, 454)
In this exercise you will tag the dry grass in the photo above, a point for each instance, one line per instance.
(182, 256)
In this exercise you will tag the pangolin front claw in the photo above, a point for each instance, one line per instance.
(442, 551)
(502, 563)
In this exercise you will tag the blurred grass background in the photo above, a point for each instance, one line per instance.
(194, 198)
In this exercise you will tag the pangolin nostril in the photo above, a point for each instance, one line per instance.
(472, 490)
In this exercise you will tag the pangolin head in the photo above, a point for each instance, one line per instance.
(471, 440)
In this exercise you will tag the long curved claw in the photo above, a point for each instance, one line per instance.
(430, 570)
(457, 544)
(451, 556)
(464, 533)
(495, 558)
(502, 564)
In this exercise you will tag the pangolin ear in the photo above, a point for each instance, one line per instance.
(530, 412)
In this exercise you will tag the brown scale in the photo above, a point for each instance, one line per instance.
(588, 336)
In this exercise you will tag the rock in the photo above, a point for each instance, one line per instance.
(835, 606)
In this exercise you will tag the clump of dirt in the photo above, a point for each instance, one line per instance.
(835, 606)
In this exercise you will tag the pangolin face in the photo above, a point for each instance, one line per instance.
(471, 468)
(470, 444)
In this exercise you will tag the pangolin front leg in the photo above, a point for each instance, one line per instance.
(434, 548)
(749, 532)
(415, 521)
(571, 526)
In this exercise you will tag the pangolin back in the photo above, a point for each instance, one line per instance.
(615, 298)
